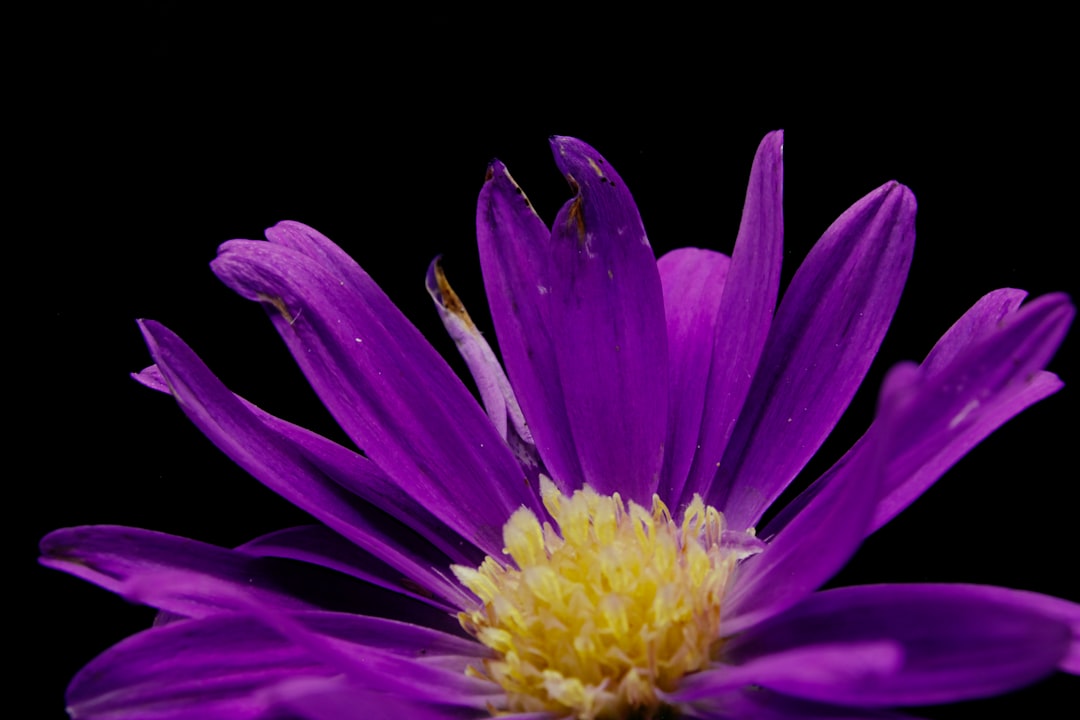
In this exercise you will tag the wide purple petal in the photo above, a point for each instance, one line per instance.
(823, 537)
(825, 334)
(746, 309)
(607, 316)
(957, 642)
(693, 282)
(757, 703)
(386, 386)
(514, 256)
(285, 468)
(223, 666)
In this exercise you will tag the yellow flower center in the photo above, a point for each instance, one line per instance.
(602, 615)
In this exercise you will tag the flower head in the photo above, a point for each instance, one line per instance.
(589, 543)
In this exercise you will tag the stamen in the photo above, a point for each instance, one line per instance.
(597, 617)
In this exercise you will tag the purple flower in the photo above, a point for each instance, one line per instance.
(590, 543)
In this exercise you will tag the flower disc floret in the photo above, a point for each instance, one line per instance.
(603, 614)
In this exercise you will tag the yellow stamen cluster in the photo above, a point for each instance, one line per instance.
(601, 615)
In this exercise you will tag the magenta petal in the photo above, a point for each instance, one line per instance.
(514, 256)
(607, 319)
(746, 309)
(386, 386)
(693, 282)
(825, 334)
(285, 468)
(958, 642)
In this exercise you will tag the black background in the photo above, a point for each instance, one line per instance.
(147, 137)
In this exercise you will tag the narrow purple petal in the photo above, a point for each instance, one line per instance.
(961, 396)
(981, 373)
(958, 642)
(283, 467)
(607, 316)
(823, 537)
(746, 308)
(495, 392)
(354, 473)
(386, 386)
(693, 282)
(825, 334)
(110, 556)
(514, 256)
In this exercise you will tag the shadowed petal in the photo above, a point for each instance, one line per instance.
(386, 386)
(693, 281)
(607, 316)
(825, 334)
(746, 309)
(958, 642)
(514, 256)
(284, 468)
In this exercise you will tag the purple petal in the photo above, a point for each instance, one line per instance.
(607, 316)
(224, 666)
(746, 309)
(386, 386)
(285, 468)
(112, 556)
(756, 703)
(491, 381)
(825, 334)
(353, 472)
(958, 642)
(983, 372)
(318, 545)
(693, 282)
(514, 256)
(822, 538)
(961, 396)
